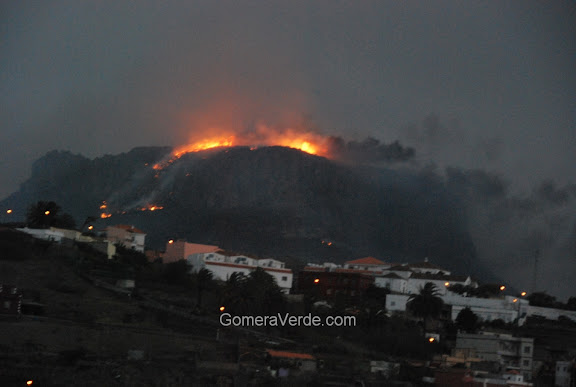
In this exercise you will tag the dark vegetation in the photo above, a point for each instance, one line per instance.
(272, 201)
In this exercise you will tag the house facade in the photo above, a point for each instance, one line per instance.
(512, 353)
(127, 236)
(223, 264)
(332, 284)
(179, 249)
(10, 300)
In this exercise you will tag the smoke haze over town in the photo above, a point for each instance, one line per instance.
(483, 93)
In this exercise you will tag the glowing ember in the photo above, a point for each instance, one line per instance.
(151, 207)
(204, 145)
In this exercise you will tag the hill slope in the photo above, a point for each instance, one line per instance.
(271, 201)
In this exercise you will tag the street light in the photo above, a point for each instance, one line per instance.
(523, 294)
(502, 288)
(316, 280)
(446, 284)
(222, 308)
(46, 212)
(9, 211)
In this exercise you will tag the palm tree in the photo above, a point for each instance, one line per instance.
(204, 279)
(426, 304)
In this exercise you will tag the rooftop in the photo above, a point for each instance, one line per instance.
(127, 228)
(366, 261)
(291, 355)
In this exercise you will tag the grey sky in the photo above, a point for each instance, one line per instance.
(489, 85)
(104, 76)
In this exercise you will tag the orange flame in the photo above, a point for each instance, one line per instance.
(151, 207)
(104, 215)
(308, 142)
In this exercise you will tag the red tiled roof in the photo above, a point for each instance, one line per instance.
(291, 355)
(366, 261)
(128, 228)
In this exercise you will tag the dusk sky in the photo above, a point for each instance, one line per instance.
(101, 77)
(472, 85)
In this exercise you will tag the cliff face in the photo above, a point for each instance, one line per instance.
(272, 201)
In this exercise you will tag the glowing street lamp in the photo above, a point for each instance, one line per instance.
(90, 227)
(515, 300)
(431, 339)
(9, 211)
(446, 284)
(222, 308)
(171, 241)
(523, 294)
(502, 288)
(46, 212)
(316, 280)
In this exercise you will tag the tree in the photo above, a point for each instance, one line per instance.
(542, 299)
(426, 304)
(255, 294)
(204, 280)
(571, 303)
(48, 214)
(467, 320)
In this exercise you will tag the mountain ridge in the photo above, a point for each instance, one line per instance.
(272, 201)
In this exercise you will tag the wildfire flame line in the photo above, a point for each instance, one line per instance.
(306, 142)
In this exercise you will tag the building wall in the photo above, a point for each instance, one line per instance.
(45, 234)
(562, 376)
(179, 249)
(414, 285)
(223, 266)
(332, 284)
(397, 285)
(70, 234)
(550, 313)
(396, 302)
(507, 350)
(127, 238)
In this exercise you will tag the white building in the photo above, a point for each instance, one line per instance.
(427, 268)
(127, 236)
(487, 309)
(393, 282)
(563, 374)
(369, 264)
(512, 353)
(43, 233)
(442, 281)
(223, 264)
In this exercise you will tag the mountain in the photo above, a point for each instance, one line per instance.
(270, 201)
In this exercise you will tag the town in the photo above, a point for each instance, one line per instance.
(96, 303)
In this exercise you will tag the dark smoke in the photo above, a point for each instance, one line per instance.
(368, 150)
